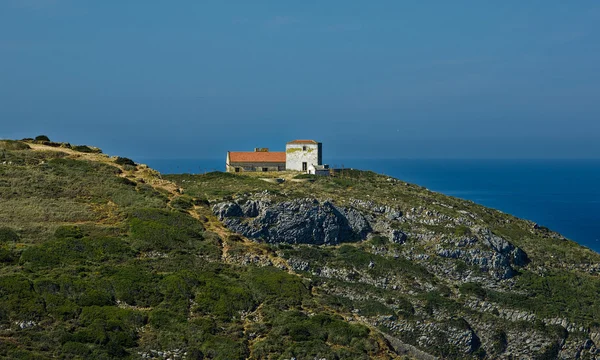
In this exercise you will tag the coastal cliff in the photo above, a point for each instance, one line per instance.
(105, 258)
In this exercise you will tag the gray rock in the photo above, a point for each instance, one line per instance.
(251, 208)
(227, 210)
(302, 221)
(398, 236)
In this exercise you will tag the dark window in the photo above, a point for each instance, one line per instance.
(304, 148)
(237, 169)
(265, 169)
(304, 166)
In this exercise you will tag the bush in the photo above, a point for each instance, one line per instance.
(182, 203)
(499, 341)
(42, 138)
(75, 348)
(472, 289)
(379, 240)
(13, 145)
(271, 283)
(70, 248)
(124, 161)
(126, 181)
(154, 229)
(19, 300)
(113, 329)
(306, 176)
(7, 235)
(136, 285)
(299, 335)
(83, 149)
(222, 297)
(462, 231)
(68, 232)
(6, 256)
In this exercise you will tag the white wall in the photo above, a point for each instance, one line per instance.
(296, 155)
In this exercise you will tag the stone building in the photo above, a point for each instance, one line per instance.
(300, 154)
(322, 170)
(258, 160)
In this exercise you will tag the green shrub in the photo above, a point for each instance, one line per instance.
(297, 334)
(74, 249)
(126, 181)
(222, 297)
(124, 161)
(135, 285)
(6, 256)
(475, 289)
(19, 300)
(8, 235)
(379, 240)
(13, 145)
(153, 229)
(182, 203)
(224, 348)
(271, 283)
(42, 138)
(462, 231)
(306, 176)
(405, 307)
(161, 318)
(113, 329)
(68, 232)
(83, 149)
(75, 348)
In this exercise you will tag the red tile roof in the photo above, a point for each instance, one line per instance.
(256, 157)
(303, 142)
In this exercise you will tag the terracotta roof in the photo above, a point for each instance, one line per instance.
(303, 142)
(257, 157)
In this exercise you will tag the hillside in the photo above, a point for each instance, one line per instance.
(103, 258)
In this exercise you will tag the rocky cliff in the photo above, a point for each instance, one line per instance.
(463, 250)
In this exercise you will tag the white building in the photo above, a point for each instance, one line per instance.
(300, 154)
(322, 170)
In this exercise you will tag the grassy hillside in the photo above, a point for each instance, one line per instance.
(103, 258)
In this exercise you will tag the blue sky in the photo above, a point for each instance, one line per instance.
(414, 79)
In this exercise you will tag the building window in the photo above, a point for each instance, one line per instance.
(265, 169)
(304, 148)
(304, 166)
(237, 169)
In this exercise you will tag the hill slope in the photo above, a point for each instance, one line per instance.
(101, 258)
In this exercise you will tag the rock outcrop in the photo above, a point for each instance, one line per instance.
(301, 221)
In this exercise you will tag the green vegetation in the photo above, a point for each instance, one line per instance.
(42, 138)
(84, 149)
(90, 258)
(13, 145)
(305, 176)
(124, 161)
(100, 263)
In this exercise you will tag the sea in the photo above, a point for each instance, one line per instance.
(563, 195)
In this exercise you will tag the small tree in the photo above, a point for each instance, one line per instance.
(42, 138)
(124, 161)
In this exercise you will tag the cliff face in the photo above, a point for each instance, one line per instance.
(467, 284)
(308, 221)
(302, 221)
(104, 258)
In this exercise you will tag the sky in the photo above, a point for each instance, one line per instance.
(369, 79)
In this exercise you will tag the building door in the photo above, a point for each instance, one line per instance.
(304, 166)
(237, 169)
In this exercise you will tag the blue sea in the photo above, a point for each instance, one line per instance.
(563, 195)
